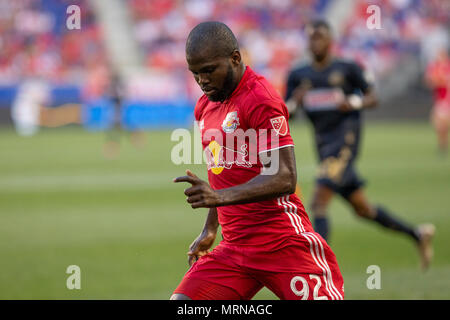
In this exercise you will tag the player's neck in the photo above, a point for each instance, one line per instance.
(240, 74)
(321, 63)
(239, 77)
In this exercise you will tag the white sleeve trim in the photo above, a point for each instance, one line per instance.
(277, 148)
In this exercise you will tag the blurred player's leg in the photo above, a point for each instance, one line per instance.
(378, 214)
(138, 139)
(422, 235)
(111, 148)
(441, 122)
(319, 206)
(426, 232)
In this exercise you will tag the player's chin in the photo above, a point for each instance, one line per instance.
(213, 98)
(213, 95)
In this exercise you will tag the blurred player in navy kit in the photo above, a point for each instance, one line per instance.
(332, 92)
(115, 92)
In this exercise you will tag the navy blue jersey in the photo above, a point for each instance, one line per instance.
(337, 133)
(327, 87)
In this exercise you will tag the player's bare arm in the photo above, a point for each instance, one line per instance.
(369, 99)
(262, 187)
(201, 245)
(355, 102)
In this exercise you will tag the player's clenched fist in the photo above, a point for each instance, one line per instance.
(200, 194)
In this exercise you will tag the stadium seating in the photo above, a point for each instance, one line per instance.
(35, 42)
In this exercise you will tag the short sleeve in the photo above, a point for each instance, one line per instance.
(270, 120)
(292, 83)
(358, 78)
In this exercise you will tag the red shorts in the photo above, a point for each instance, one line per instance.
(303, 268)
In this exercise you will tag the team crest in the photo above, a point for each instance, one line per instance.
(306, 83)
(280, 126)
(231, 122)
(336, 78)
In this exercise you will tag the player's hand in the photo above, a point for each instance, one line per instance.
(200, 194)
(345, 106)
(201, 246)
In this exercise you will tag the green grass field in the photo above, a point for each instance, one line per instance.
(128, 227)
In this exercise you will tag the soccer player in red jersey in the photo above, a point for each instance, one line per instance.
(268, 239)
(333, 92)
(438, 78)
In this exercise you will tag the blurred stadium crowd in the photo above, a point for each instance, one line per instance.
(35, 42)
(272, 31)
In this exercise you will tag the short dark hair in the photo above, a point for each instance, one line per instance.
(212, 35)
(319, 23)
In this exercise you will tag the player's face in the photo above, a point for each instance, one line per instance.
(216, 76)
(319, 42)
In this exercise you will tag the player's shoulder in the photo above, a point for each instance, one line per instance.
(301, 66)
(260, 99)
(200, 106)
(260, 91)
(347, 63)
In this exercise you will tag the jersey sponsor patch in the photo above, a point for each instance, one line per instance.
(220, 157)
(336, 78)
(280, 126)
(323, 99)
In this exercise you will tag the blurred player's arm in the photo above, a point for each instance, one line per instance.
(369, 99)
(281, 181)
(364, 82)
(295, 92)
(435, 76)
(357, 102)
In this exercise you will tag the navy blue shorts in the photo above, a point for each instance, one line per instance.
(343, 188)
(340, 175)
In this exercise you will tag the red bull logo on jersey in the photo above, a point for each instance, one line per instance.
(220, 157)
(243, 148)
(230, 123)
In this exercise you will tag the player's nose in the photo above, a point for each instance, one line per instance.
(203, 81)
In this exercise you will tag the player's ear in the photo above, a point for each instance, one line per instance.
(236, 57)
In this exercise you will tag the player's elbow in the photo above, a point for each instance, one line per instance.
(291, 188)
(288, 183)
(371, 100)
(374, 102)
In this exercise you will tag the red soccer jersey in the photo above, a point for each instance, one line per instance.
(438, 72)
(234, 133)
